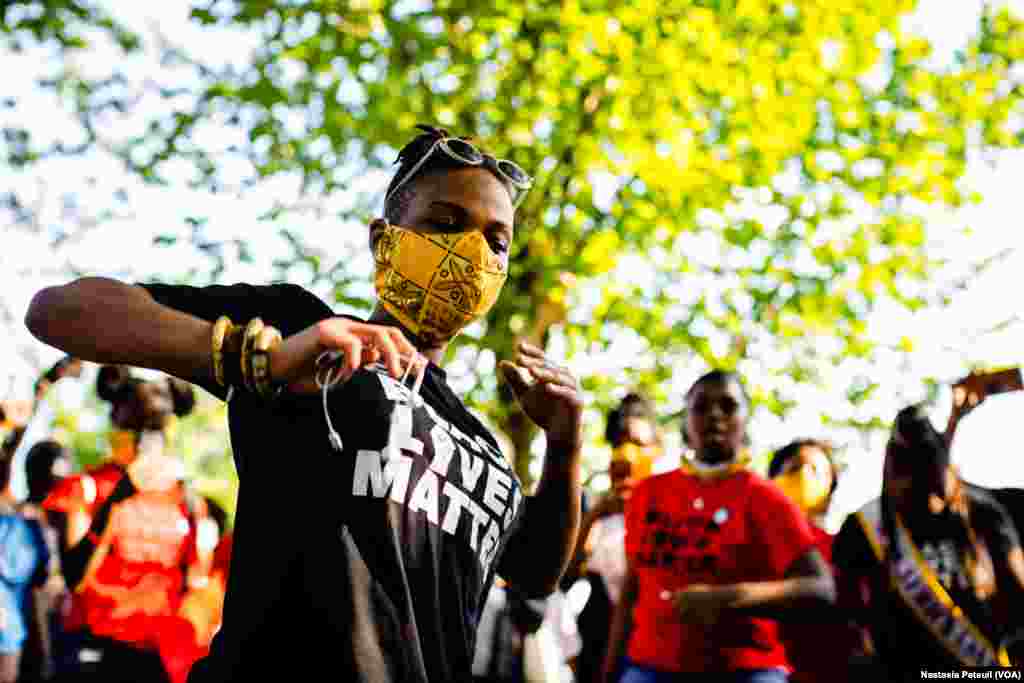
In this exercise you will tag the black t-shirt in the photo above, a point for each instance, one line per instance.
(900, 638)
(370, 564)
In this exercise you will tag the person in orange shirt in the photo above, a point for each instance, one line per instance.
(137, 407)
(715, 555)
(129, 534)
(144, 537)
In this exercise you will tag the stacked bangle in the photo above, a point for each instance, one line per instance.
(252, 345)
(221, 330)
(252, 330)
(266, 341)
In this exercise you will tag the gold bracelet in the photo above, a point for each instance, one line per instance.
(252, 330)
(221, 329)
(268, 339)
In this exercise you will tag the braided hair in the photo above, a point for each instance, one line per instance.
(410, 155)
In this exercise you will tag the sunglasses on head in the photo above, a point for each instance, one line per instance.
(465, 153)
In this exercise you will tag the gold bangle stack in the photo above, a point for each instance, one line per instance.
(253, 343)
(222, 329)
(252, 330)
(266, 341)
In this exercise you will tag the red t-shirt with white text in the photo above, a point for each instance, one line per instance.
(683, 530)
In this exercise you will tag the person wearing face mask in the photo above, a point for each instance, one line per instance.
(807, 474)
(715, 555)
(631, 432)
(939, 562)
(633, 436)
(374, 509)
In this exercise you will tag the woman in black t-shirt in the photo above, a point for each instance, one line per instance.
(938, 561)
(372, 517)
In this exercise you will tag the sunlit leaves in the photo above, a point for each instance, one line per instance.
(759, 157)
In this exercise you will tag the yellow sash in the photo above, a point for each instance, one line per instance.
(928, 600)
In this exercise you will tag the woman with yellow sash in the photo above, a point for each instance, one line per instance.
(938, 561)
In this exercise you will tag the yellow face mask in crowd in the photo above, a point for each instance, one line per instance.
(436, 284)
(640, 458)
(122, 446)
(807, 488)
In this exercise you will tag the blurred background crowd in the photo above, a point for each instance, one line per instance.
(143, 598)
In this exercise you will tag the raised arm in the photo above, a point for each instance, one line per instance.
(537, 555)
(106, 321)
(169, 328)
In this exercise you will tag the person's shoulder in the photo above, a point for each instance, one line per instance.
(296, 300)
(287, 306)
(870, 513)
(293, 291)
(760, 488)
(107, 470)
(19, 529)
(370, 392)
(756, 481)
(986, 503)
(822, 537)
(981, 496)
(673, 478)
(854, 528)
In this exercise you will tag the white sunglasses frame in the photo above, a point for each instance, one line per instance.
(522, 186)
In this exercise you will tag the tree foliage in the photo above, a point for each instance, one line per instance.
(715, 178)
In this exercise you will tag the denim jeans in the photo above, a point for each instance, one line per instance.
(633, 673)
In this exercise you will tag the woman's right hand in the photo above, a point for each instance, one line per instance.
(293, 363)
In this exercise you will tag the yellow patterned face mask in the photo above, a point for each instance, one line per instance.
(640, 458)
(436, 284)
(809, 492)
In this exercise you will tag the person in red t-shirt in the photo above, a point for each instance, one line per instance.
(715, 552)
(807, 473)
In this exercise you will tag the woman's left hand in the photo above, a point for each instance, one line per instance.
(549, 394)
(703, 604)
